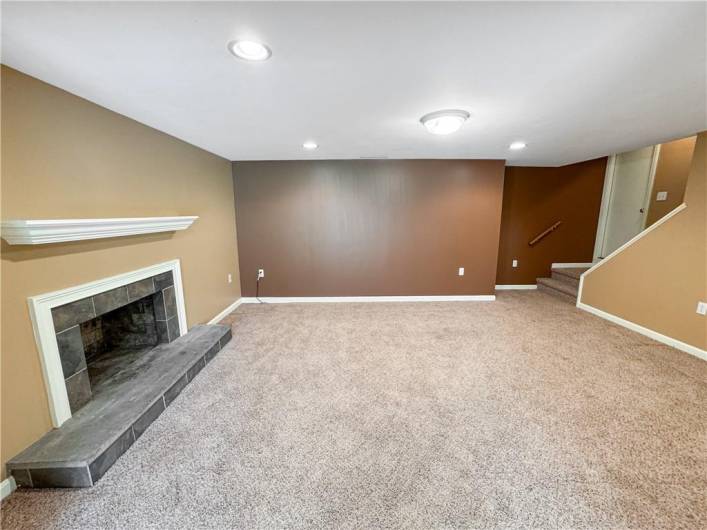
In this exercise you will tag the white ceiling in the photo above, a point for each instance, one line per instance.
(573, 80)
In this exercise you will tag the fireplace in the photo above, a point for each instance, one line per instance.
(100, 336)
(90, 335)
(112, 342)
(115, 354)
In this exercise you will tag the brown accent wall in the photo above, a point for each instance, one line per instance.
(534, 198)
(64, 157)
(658, 280)
(671, 174)
(369, 227)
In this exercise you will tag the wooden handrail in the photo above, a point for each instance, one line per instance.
(544, 233)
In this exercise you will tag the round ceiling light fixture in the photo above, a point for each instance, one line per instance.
(444, 121)
(249, 50)
(310, 146)
(515, 146)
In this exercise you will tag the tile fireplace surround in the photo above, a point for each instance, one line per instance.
(70, 324)
(57, 318)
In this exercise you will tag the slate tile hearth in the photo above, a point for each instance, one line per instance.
(79, 452)
(150, 415)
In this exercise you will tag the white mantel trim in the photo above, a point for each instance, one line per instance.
(40, 309)
(41, 231)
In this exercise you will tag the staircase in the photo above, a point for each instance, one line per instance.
(563, 283)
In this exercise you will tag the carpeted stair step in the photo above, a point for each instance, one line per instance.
(560, 288)
(570, 276)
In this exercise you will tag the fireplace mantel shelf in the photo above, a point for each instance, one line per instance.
(42, 231)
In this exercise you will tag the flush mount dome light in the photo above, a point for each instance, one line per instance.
(249, 50)
(515, 146)
(444, 121)
(309, 146)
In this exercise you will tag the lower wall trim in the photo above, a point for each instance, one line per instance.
(223, 314)
(7, 486)
(519, 287)
(687, 348)
(570, 265)
(331, 299)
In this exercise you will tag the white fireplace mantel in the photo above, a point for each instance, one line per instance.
(41, 231)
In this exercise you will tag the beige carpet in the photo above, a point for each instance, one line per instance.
(524, 412)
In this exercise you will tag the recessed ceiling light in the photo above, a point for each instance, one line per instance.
(444, 121)
(249, 50)
(310, 145)
(517, 145)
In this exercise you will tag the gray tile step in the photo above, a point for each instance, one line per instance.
(79, 452)
(557, 287)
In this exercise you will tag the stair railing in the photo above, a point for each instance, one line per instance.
(544, 233)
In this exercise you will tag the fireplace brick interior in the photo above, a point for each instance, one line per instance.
(100, 336)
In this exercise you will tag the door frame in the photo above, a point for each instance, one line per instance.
(607, 196)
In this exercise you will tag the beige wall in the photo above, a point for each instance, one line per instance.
(657, 281)
(64, 157)
(671, 173)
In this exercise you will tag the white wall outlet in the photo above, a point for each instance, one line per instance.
(515, 263)
(461, 271)
(661, 196)
(261, 273)
(702, 308)
(230, 278)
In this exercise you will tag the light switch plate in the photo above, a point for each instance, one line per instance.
(461, 271)
(661, 196)
(515, 263)
(702, 308)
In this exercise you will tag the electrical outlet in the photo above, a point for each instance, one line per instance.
(261, 273)
(702, 308)
(230, 278)
(461, 271)
(515, 263)
(661, 196)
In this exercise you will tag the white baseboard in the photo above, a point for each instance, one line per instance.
(223, 314)
(687, 348)
(519, 287)
(332, 299)
(7, 486)
(570, 265)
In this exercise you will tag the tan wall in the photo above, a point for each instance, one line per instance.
(369, 227)
(670, 175)
(534, 198)
(657, 281)
(64, 157)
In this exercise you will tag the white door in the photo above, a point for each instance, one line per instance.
(629, 194)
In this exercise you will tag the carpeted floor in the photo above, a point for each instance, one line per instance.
(524, 412)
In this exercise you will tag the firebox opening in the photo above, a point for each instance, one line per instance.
(113, 341)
